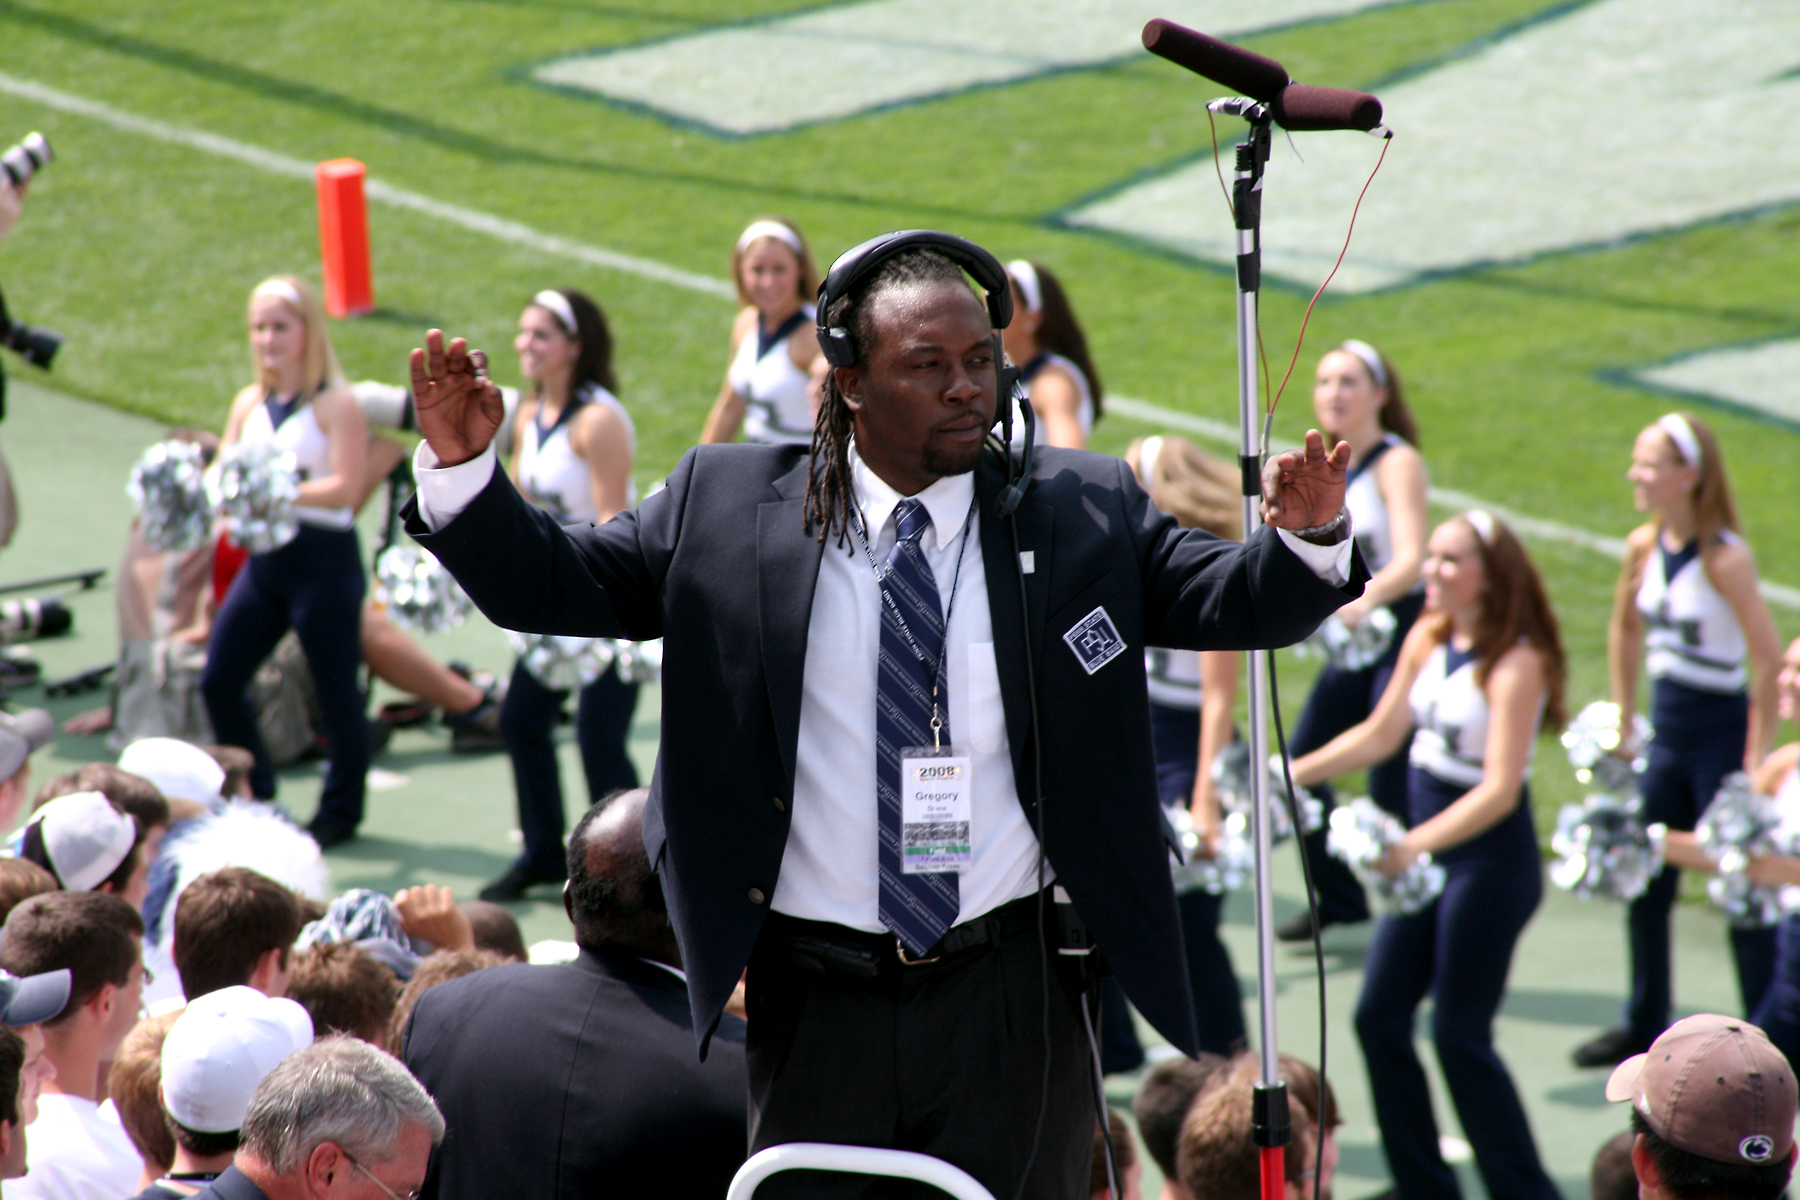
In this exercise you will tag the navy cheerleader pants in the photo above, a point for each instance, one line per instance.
(528, 718)
(1699, 740)
(314, 585)
(1458, 952)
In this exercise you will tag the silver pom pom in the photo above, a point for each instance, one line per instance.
(1591, 739)
(1361, 834)
(418, 592)
(639, 662)
(1353, 649)
(1231, 776)
(563, 663)
(168, 485)
(1228, 869)
(253, 489)
(1603, 848)
(1738, 824)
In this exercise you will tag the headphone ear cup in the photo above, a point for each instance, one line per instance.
(838, 347)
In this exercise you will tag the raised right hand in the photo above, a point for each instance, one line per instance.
(459, 408)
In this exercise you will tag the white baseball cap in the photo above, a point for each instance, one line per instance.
(82, 839)
(180, 770)
(220, 1048)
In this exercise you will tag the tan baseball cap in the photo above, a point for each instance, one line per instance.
(1713, 1086)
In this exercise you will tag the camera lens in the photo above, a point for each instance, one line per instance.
(24, 160)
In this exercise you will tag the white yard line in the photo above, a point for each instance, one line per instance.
(380, 193)
(523, 235)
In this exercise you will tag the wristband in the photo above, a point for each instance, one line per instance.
(1327, 534)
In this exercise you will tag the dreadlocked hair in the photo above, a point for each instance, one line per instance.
(830, 493)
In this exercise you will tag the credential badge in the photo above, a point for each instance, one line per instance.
(1095, 640)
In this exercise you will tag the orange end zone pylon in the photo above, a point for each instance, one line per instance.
(344, 238)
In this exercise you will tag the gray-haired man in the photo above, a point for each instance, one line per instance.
(339, 1116)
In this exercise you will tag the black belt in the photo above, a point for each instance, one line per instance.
(824, 948)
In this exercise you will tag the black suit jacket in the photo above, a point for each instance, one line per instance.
(577, 1081)
(719, 565)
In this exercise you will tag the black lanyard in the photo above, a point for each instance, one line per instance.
(937, 669)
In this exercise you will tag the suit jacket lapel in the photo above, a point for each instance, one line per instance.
(787, 571)
(1036, 525)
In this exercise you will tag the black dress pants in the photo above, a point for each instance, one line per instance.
(943, 1058)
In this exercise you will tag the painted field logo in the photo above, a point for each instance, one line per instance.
(861, 57)
(1597, 126)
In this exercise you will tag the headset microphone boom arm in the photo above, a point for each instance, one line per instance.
(1270, 98)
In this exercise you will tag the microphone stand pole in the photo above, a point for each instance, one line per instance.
(1269, 1120)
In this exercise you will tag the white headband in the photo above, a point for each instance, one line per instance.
(1026, 276)
(1682, 434)
(560, 308)
(770, 229)
(1482, 523)
(1148, 452)
(1371, 359)
(282, 289)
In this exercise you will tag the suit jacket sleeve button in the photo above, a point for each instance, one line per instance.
(779, 803)
(756, 896)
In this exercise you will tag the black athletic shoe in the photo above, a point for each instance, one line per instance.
(515, 883)
(1609, 1049)
(329, 833)
(476, 731)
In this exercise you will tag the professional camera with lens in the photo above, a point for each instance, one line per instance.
(34, 343)
(24, 160)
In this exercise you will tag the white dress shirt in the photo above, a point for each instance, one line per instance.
(828, 870)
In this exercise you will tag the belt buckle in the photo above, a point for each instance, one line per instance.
(906, 957)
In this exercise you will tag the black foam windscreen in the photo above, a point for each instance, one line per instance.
(1241, 70)
(1301, 108)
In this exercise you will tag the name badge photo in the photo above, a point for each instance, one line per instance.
(936, 800)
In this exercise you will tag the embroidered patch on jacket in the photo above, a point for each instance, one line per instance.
(1095, 640)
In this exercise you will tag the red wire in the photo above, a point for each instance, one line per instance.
(1301, 339)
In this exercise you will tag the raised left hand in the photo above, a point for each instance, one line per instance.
(430, 913)
(1305, 489)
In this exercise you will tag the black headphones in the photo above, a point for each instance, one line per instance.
(854, 267)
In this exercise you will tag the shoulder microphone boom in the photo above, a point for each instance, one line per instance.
(1241, 70)
(1297, 107)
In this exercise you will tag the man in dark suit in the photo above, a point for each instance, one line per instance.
(580, 1080)
(887, 1007)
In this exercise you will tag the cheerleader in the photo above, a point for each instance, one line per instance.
(1047, 343)
(575, 444)
(773, 341)
(1687, 605)
(1192, 700)
(1475, 679)
(1358, 399)
(314, 584)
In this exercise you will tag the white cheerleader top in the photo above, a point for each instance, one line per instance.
(1374, 532)
(293, 427)
(1691, 634)
(551, 474)
(764, 376)
(1173, 677)
(1450, 716)
(1084, 408)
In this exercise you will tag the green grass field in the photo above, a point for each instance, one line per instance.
(142, 249)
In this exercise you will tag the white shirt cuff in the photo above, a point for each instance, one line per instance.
(445, 491)
(1330, 563)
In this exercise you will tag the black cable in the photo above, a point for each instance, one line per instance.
(1107, 1149)
(1312, 908)
(1037, 780)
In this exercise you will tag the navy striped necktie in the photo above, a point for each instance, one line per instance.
(918, 908)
